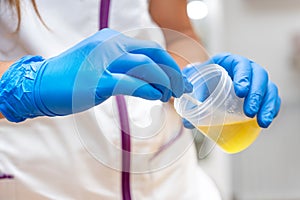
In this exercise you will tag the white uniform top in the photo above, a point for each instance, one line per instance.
(79, 156)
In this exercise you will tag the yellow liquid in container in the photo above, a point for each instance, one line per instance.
(233, 137)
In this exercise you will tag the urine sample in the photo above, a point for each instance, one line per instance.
(215, 110)
(235, 136)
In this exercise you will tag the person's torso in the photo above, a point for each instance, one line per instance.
(79, 156)
(69, 22)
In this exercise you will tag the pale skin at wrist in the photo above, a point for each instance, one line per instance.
(4, 65)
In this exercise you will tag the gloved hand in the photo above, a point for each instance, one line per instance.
(251, 82)
(105, 64)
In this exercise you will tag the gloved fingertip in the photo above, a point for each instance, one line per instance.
(265, 120)
(166, 96)
(187, 124)
(188, 87)
(249, 112)
(264, 123)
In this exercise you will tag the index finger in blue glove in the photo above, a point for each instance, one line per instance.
(163, 59)
(116, 84)
(142, 67)
(239, 69)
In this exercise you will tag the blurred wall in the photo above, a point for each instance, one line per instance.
(261, 30)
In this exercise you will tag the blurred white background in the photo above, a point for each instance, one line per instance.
(268, 32)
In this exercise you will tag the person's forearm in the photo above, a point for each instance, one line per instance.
(185, 47)
(4, 65)
(181, 40)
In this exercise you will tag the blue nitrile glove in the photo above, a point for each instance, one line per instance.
(105, 64)
(250, 82)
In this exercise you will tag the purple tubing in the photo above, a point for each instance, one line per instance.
(125, 130)
(104, 13)
(6, 176)
(123, 115)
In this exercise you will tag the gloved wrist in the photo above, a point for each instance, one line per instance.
(17, 101)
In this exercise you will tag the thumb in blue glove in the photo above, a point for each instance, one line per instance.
(105, 64)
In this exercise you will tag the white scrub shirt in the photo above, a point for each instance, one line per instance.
(79, 156)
